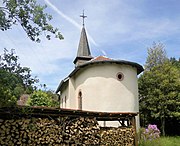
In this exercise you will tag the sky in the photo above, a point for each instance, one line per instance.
(118, 29)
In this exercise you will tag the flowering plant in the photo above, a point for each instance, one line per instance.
(150, 133)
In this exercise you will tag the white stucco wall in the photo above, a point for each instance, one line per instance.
(72, 100)
(101, 91)
(64, 96)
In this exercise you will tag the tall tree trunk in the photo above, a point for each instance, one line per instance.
(163, 125)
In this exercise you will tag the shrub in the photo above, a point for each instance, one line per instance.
(40, 98)
(151, 132)
(149, 135)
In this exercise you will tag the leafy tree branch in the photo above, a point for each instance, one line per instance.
(30, 16)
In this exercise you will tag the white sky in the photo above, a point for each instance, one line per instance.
(121, 29)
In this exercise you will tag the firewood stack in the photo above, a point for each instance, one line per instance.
(81, 131)
(62, 131)
(34, 131)
(122, 136)
(44, 131)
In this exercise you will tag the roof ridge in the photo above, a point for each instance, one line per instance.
(101, 58)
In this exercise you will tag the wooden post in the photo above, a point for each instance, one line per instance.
(133, 120)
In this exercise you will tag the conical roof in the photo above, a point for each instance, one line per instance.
(83, 53)
(83, 49)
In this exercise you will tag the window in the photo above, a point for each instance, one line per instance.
(62, 101)
(65, 101)
(80, 100)
(120, 76)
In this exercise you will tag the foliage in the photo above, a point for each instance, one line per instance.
(54, 97)
(41, 98)
(14, 79)
(175, 62)
(10, 88)
(151, 133)
(156, 56)
(159, 92)
(30, 15)
(9, 62)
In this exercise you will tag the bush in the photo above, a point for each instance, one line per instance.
(40, 98)
(149, 136)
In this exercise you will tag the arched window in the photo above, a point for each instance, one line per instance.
(62, 102)
(80, 100)
(65, 101)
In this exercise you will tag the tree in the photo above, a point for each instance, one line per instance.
(11, 87)
(9, 62)
(156, 55)
(159, 90)
(42, 98)
(30, 16)
(175, 62)
(14, 79)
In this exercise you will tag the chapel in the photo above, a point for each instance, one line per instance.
(100, 83)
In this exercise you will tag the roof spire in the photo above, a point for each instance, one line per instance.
(83, 53)
(83, 17)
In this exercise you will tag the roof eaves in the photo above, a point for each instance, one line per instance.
(138, 66)
(61, 84)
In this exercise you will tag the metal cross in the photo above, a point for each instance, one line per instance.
(83, 16)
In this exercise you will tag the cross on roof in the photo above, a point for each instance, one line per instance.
(83, 16)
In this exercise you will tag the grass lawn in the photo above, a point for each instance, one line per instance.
(163, 141)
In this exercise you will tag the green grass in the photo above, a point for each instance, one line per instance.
(163, 141)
